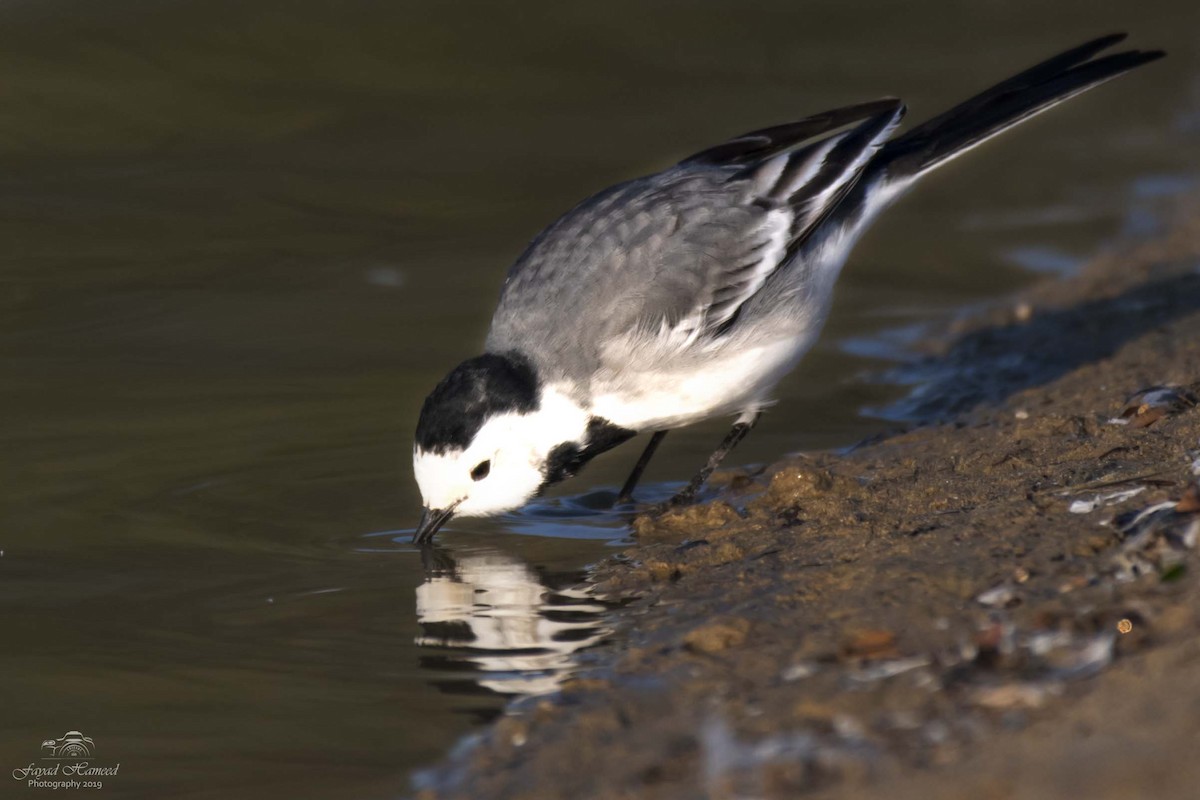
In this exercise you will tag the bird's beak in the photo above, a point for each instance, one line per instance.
(432, 519)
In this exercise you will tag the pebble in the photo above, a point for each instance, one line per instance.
(870, 644)
(717, 636)
(889, 669)
(1001, 596)
(1014, 695)
(800, 671)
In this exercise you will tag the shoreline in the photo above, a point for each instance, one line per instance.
(1003, 598)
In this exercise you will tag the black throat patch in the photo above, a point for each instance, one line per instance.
(474, 391)
(569, 457)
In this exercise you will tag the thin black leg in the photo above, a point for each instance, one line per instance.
(740, 428)
(626, 495)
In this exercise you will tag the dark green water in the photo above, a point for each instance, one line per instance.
(242, 240)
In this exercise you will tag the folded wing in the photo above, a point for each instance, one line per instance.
(674, 256)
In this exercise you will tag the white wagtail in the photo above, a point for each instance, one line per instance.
(690, 293)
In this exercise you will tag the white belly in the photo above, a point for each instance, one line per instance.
(660, 400)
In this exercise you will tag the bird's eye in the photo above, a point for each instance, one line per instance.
(481, 470)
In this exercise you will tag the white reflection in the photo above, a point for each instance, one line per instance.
(518, 632)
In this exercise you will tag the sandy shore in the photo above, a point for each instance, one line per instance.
(1000, 604)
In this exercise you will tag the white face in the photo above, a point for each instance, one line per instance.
(502, 467)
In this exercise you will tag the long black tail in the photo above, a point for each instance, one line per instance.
(1008, 103)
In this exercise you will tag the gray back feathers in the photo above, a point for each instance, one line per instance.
(682, 251)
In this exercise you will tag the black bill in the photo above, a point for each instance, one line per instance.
(432, 519)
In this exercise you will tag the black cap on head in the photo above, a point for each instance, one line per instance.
(474, 391)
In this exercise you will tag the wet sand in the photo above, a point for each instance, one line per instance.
(1000, 602)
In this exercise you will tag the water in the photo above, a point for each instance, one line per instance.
(242, 240)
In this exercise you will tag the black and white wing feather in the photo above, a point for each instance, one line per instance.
(675, 255)
(797, 189)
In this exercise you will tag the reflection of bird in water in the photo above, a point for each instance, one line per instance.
(518, 631)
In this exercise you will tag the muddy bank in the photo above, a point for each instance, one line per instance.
(1002, 604)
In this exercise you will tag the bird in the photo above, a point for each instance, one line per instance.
(690, 293)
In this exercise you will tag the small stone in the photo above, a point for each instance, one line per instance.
(1013, 695)
(800, 671)
(1190, 502)
(1073, 583)
(725, 553)
(812, 711)
(513, 730)
(1082, 506)
(1002, 596)
(870, 644)
(717, 636)
(1146, 415)
(659, 570)
(881, 670)
(848, 727)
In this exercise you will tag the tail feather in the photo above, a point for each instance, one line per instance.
(1039, 73)
(902, 160)
(1006, 104)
